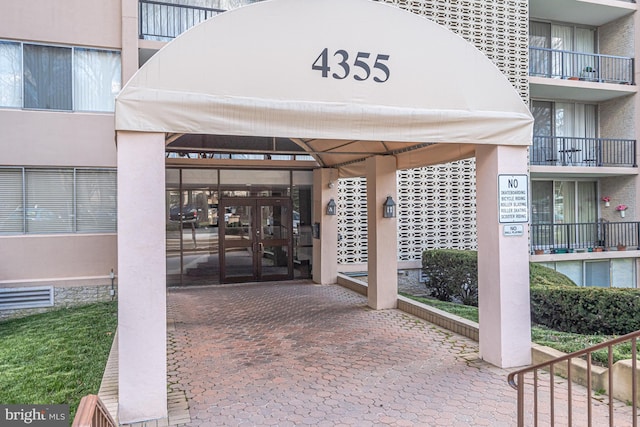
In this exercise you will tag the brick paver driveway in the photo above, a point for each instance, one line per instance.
(294, 354)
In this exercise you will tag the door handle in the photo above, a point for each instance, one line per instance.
(261, 247)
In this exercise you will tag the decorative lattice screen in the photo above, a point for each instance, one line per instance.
(436, 205)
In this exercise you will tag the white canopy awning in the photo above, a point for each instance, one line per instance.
(345, 79)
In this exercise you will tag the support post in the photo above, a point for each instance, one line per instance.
(382, 233)
(503, 264)
(325, 248)
(142, 309)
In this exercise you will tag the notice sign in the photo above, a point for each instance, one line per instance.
(513, 198)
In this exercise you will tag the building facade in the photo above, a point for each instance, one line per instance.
(206, 201)
(573, 63)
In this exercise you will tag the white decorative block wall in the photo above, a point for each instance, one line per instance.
(436, 206)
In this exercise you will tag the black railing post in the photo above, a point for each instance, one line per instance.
(635, 153)
(139, 19)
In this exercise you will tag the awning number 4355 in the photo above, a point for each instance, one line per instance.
(360, 68)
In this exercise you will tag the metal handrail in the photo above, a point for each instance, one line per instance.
(165, 21)
(583, 151)
(92, 413)
(565, 64)
(519, 384)
(585, 235)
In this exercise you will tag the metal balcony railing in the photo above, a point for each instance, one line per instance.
(574, 151)
(543, 393)
(590, 236)
(592, 67)
(165, 21)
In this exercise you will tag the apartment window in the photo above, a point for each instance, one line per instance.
(596, 273)
(605, 273)
(553, 45)
(10, 74)
(39, 201)
(564, 133)
(97, 79)
(561, 213)
(58, 78)
(47, 77)
(561, 202)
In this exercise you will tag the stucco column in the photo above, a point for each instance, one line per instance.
(325, 249)
(382, 234)
(503, 264)
(142, 309)
(129, 53)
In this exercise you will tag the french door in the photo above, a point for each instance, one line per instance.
(256, 239)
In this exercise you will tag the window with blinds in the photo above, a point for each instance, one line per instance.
(96, 201)
(58, 77)
(11, 201)
(41, 201)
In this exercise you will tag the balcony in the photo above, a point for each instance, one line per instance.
(572, 237)
(165, 21)
(590, 152)
(592, 13)
(562, 64)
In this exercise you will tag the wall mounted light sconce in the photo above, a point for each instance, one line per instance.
(389, 208)
(331, 207)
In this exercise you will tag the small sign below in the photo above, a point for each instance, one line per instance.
(513, 230)
(513, 198)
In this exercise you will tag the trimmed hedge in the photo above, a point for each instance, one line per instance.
(586, 310)
(452, 275)
(539, 275)
(556, 302)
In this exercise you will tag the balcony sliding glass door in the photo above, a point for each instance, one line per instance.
(565, 133)
(564, 214)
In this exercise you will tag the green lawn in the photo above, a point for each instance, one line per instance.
(56, 357)
(561, 341)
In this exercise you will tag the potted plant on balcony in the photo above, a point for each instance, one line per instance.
(607, 201)
(621, 209)
(621, 247)
(589, 74)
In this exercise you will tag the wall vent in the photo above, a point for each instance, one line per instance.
(16, 298)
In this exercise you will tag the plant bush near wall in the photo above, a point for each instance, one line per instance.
(452, 275)
(556, 301)
(586, 310)
(539, 275)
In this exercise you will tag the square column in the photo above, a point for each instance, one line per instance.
(503, 264)
(382, 233)
(325, 249)
(142, 292)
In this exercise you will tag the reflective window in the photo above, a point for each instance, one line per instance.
(58, 77)
(47, 77)
(38, 201)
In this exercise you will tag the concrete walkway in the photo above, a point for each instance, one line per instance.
(294, 354)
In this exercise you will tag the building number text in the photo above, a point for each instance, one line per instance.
(360, 67)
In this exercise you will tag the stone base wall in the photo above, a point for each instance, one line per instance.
(65, 297)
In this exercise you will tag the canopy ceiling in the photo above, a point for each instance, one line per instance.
(273, 69)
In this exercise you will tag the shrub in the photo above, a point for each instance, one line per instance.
(586, 310)
(556, 302)
(539, 275)
(452, 275)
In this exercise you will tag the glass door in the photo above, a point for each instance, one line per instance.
(236, 225)
(255, 239)
(275, 260)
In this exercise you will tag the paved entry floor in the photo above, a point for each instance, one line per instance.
(294, 354)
